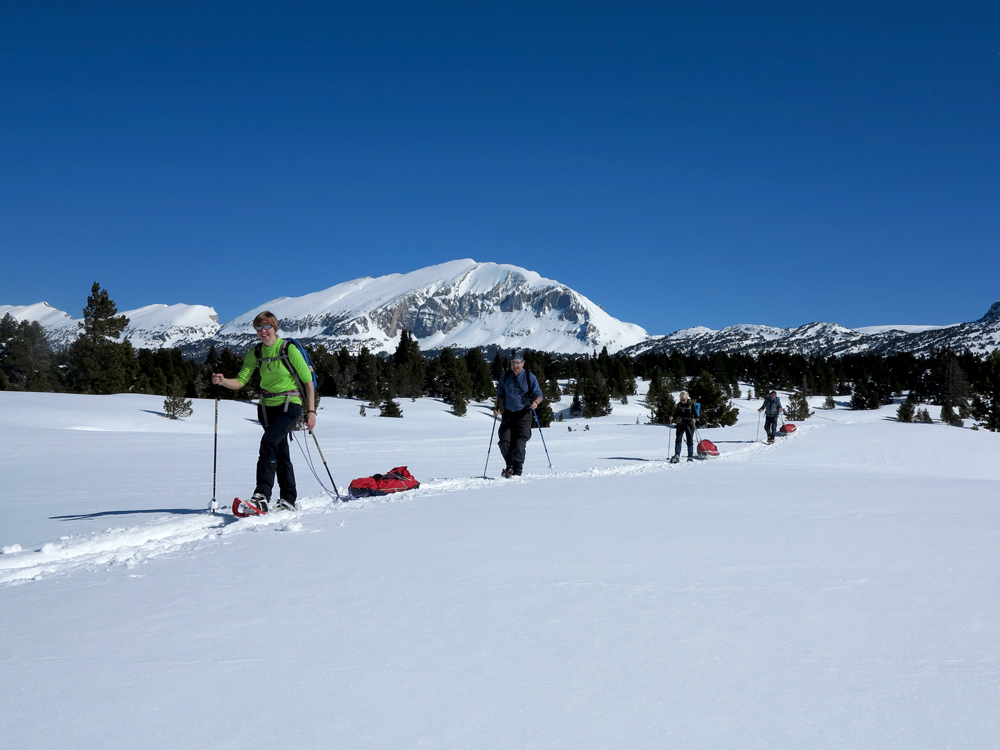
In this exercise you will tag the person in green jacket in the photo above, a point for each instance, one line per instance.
(279, 409)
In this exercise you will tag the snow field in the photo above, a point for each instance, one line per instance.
(836, 589)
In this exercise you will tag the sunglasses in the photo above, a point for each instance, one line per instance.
(264, 327)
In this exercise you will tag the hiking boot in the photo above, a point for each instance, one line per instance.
(259, 502)
(284, 504)
(690, 458)
(507, 473)
(675, 459)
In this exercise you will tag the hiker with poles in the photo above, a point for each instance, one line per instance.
(771, 408)
(685, 415)
(279, 410)
(518, 395)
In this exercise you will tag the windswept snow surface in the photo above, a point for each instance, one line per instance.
(838, 589)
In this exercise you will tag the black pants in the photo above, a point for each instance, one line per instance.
(770, 425)
(274, 457)
(515, 432)
(684, 428)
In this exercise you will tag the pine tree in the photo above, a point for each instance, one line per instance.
(716, 409)
(906, 410)
(798, 408)
(923, 416)
(410, 367)
(594, 393)
(26, 360)
(480, 376)
(949, 417)
(175, 406)
(97, 362)
(390, 408)
(550, 389)
(452, 382)
(545, 414)
(365, 385)
(659, 400)
(829, 403)
(986, 401)
(865, 396)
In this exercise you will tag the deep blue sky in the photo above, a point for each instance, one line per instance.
(679, 163)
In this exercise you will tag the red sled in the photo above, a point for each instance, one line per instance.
(787, 429)
(394, 480)
(707, 449)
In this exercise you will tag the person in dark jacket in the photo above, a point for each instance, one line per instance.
(518, 395)
(771, 408)
(685, 415)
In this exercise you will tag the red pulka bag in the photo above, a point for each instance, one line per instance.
(787, 428)
(394, 480)
(707, 449)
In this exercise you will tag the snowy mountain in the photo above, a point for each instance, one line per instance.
(830, 339)
(465, 304)
(460, 304)
(60, 328)
(150, 327)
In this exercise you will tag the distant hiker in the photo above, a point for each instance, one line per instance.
(518, 395)
(771, 408)
(685, 414)
(279, 409)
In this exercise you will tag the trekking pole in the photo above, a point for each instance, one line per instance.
(757, 439)
(213, 505)
(540, 432)
(335, 490)
(491, 447)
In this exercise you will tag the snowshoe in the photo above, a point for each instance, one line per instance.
(284, 504)
(690, 459)
(675, 459)
(255, 506)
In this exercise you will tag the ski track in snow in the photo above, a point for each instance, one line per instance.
(136, 544)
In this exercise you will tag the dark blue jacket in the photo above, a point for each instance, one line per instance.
(516, 393)
(771, 408)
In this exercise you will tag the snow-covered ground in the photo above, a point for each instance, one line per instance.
(838, 589)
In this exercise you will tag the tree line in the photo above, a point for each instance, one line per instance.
(964, 384)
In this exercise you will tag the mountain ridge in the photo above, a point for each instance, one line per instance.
(465, 304)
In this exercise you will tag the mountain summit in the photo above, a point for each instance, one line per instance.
(461, 304)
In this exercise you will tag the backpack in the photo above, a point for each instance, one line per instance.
(284, 359)
(398, 479)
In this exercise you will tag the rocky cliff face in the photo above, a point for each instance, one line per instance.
(461, 304)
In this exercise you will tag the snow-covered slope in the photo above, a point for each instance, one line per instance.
(158, 326)
(835, 590)
(60, 328)
(460, 304)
